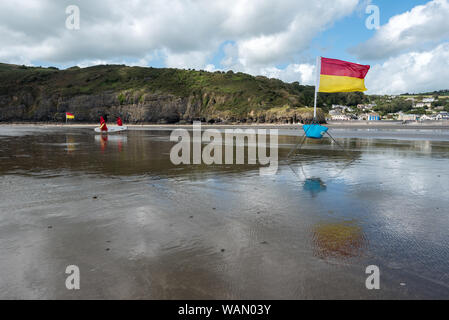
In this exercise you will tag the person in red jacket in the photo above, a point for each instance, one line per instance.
(119, 122)
(103, 126)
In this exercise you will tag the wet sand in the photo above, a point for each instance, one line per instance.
(139, 227)
(386, 125)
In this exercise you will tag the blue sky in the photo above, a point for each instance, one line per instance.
(274, 38)
(351, 30)
(335, 41)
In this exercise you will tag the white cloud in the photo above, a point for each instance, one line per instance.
(303, 73)
(259, 36)
(411, 72)
(185, 34)
(411, 30)
(307, 20)
(211, 68)
(191, 59)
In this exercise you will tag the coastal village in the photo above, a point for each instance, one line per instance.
(412, 108)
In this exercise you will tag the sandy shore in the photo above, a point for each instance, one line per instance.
(140, 227)
(333, 124)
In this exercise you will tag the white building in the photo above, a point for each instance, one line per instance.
(337, 106)
(407, 117)
(341, 117)
(342, 108)
(442, 116)
(366, 107)
(335, 112)
(422, 105)
(369, 117)
(427, 117)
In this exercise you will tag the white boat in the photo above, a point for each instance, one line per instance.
(112, 129)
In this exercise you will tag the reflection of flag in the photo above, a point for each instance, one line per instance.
(70, 144)
(341, 76)
(69, 115)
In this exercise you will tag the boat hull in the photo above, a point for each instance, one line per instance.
(112, 129)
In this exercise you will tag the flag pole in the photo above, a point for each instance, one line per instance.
(317, 84)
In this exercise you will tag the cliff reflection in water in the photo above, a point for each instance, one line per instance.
(132, 153)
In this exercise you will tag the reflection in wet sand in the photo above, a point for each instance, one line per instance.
(139, 226)
(314, 186)
(338, 239)
(71, 145)
(116, 139)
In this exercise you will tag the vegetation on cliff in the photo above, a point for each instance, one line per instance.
(155, 95)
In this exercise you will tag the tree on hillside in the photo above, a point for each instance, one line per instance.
(393, 106)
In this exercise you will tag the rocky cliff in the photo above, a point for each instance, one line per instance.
(149, 95)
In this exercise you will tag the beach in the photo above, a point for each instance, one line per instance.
(385, 124)
(140, 227)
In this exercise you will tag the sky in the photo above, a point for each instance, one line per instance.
(408, 49)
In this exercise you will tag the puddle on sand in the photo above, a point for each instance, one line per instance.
(338, 239)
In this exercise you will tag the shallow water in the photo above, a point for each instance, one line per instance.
(140, 227)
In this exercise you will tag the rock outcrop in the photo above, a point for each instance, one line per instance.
(38, 94)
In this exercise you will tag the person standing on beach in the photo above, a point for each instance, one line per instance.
(103, 126)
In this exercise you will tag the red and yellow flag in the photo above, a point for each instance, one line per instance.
(69, 115)
(341, 76)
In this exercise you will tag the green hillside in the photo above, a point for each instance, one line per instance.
(154, 95)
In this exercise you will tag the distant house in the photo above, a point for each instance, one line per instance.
(337, 106)
(425, 117)
(422, 105)
(363, 116)
(407, 117)
(442, 116)
(335, 112)
(392, 116)
(428, 100)
(374, 117)
(369, 117)
(341, 117)
(365, 107)
(341, 108)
